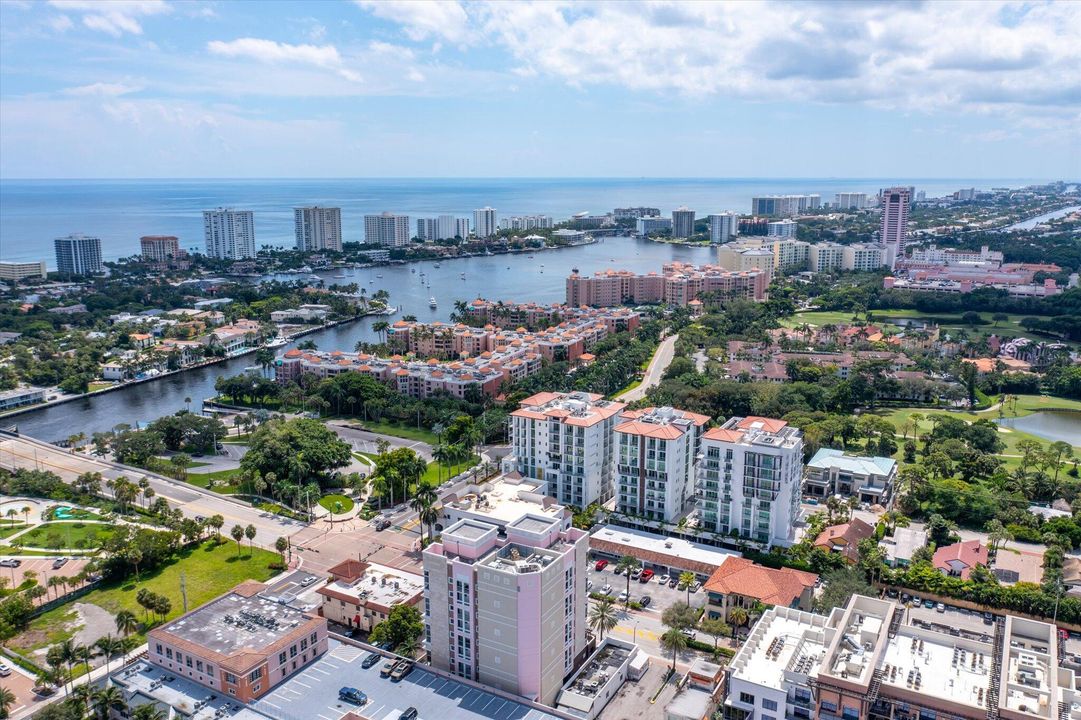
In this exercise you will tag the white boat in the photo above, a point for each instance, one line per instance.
(340, 274)
(436, 265)
(432, 303)
(304, 269)
(276, 342)
(379, 276)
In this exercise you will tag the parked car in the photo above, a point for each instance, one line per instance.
(696, 586)
(381, 524)
(988, 618)
(409, 714)
(4, 670)
(645, 601)
(811, 501)
(59, 563)
(352, 695)
(622, 597)
(606, 590)
(673, 581)
(371, 661)
(601, 565)
(646, 576)
(929, 604)
(891, 593)
(589, 585)
(402, 669)
(663, 579)
(688, 632)
(388, 667)
(10, 563)
(637, 572)
(940, 608)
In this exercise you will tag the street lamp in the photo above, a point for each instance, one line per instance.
(634, 633)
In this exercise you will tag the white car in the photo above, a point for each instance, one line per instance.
(589, 585)
(4, 670)
(663, 579)
(606, 590)
(622, 596)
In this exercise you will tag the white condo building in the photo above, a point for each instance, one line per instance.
(566, 440)
(894, 223)
(230, 234)
(655, 463)
(484, 222)
(78, 255)
(850, 200)
(508, 609)
(825, 256)
(318, 228)
(723, 227)
(782, 228)
(749, 479)
(386, 229)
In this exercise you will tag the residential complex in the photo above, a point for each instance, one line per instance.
(567, 441)
(633, 213)
(318, 228)
(78, 255)
(723, 227)
(850, 200)
(1017, 279)
(741, 583)
(869, 661)
(934, 255)
(484, 222)
(229, 234)
(444, 227)
(784, 204)
(780, 251)
(682, 222)
(386, 229)
(360, 595)
(508, 609)
(749, 479)
(649, 224)
(655, 464)
(526, 222)
(782, 228)
(678, 284)
(241, 644)
(23, 270)
(500, 501)
(159, 248)
(835, 472)
(893, 227)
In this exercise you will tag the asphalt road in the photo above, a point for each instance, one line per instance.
(662, 358)
(27, 453)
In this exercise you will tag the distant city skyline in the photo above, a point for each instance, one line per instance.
(161, 89)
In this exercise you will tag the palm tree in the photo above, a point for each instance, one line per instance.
(686, 579)
(238, 534)
(7, 699)
(602, 616)
(83, 653)
(108, 699)
(381, 328)
(281, 545)
(675, 641)
(626, 565)
(126, 622)
(738, 617)
(249, 533)
(109, 646)
(26, 513)
(148, 712)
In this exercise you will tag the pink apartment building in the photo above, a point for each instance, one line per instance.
(677, 284)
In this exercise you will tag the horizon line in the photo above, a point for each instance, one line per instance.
(532, 177)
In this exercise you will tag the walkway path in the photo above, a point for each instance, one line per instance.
(662, 358)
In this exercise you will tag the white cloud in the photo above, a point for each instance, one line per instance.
(60, 23)
(114, 17)
(271, 52)
(102, 89)
(423, 19)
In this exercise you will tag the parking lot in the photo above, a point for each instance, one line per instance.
(313, 694)
(42, 567)
(661, 595)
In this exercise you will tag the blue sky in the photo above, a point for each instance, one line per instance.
(160, 88)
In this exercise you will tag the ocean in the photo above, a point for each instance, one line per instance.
(34, 212)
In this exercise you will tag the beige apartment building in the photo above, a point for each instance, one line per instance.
(360, 595)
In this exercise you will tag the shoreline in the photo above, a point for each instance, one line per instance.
(169, 373)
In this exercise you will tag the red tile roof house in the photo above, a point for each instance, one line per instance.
(739, 582)
(845, 538)
(958, 559)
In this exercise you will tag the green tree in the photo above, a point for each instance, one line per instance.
(738, 617)
(680, 616)
(602, 616)
(402, 626)
(126, 622)
(626, 565)
(686, 579)
(249, 533)
(281, 545)
(840, 585)
(238, 534)
(675, 641)
(715, 628)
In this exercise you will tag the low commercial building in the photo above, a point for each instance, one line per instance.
(599, 679)
(835, 472)
(500, 501)
(699, 695)
(659, 553)
(360, 595)
(240, 644)
(741, 583)
(21, 397)
(23, 270)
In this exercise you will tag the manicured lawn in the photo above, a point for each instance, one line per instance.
(336, 504)
(631, 386)
(7, 529)
(68, 535)
(406, 432)
(203, 480)
(209, 571)
(437, 470)
(98, 386)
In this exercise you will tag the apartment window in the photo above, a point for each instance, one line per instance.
(829, 706)
(158, 647)
(281, 658)
(209, 669)
(168, 653)
(230, 678)
(255, 674)
(293, 651)
(924, 714)
(199, 665)
(746, 698)
(313, 638)
(257, 688)
(187, 661)
(304, 644)
(769, 704)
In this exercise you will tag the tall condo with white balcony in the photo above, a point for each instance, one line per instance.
(229, 234)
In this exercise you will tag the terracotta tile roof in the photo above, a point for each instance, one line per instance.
(732, 436)
(768, 424)
(845, 538)
(969, 553)
(741, 576)
(662, 432)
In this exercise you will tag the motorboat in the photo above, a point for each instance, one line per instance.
(432, 303)
(276, 342)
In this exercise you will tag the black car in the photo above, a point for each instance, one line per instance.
(371, 661)
(352, 695)
(645, 601)
(409, 714)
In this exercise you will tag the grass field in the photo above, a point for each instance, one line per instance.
(406, 432)
(68, 535)
(209, 570)
(328, 502)
(7, 529)
(437, 470)
(203, 480)
(949, 322)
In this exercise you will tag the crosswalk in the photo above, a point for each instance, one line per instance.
(641, 633)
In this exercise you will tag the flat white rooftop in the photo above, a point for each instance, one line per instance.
(783, 641)
(641, 540)
(940, 666)
(501, 501)
(382, 585)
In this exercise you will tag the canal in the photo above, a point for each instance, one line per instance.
(540, 277)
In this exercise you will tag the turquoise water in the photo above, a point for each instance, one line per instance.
(34, 212)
